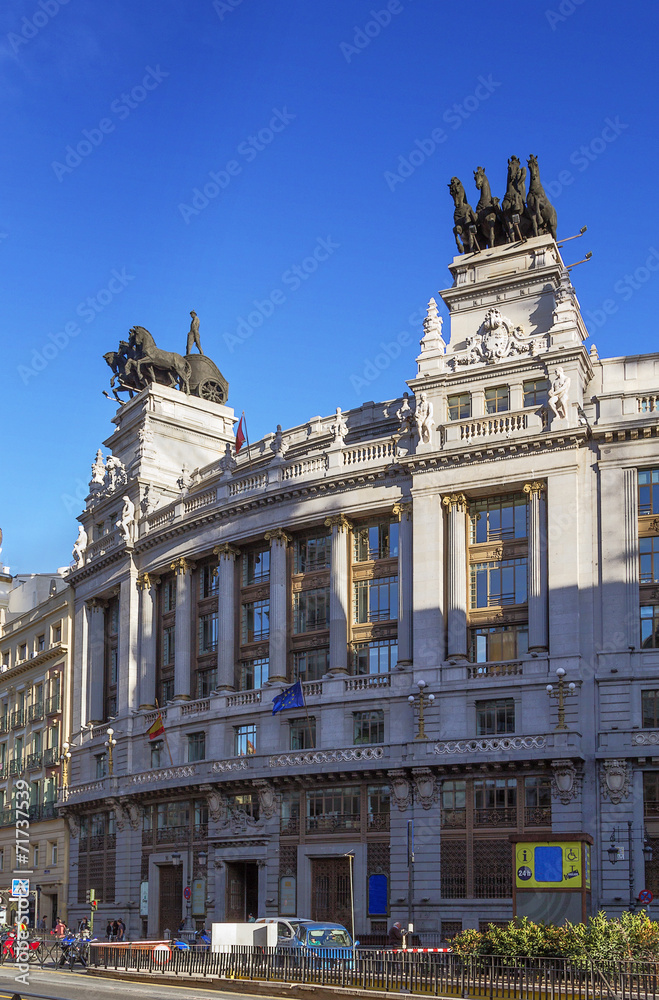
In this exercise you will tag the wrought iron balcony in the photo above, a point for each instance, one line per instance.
(343, 823)
(35, 712)
(4, 724)
(17, 718)
(497, 816)
(52, 705)
(33, 761)
(51, 756)
(537, 816)
(454, 819)
(16, 765)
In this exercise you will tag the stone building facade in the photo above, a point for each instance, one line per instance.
(36, 615)
(487, 534)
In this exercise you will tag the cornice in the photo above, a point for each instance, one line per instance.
(59, 649)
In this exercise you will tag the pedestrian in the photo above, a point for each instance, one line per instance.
(115, 930)
(42, 925)
(83, 925)
(395, 935)
(121, 929)
(60, 928)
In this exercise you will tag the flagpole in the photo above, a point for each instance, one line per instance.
(311, 739)
(249, 454)
(171, 762)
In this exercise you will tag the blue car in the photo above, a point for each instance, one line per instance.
(326, 942)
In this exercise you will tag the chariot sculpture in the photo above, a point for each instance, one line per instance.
(518, 216)
(140, 362)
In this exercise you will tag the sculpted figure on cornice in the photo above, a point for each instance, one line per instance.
(79, 547)
(339, 428)
(424, 418)
(114, 478)
(127, 520)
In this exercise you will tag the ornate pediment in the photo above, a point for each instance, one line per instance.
(497, 339)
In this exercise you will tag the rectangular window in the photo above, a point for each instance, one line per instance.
(209, 582)
(157, 754)
(379, 541)
(649, 559)
(311, 610)
(207, 633)
(256, 567)
(312, 553)
(303, 733)
(650, 626)
(491, 644)
(650, 707)
(244, 740)
(498, 518)
(497, 399)
(494, 718)
(5, 660)
(375, 657)
(495, 801)
(648, 491)
(454, 804)
(459, 406)
(169, 595)
(255, 621)
(311, 664)
(376, 600)
(167, 690)
(493, 584)
(368, 727)
(53, 852)
(101, 764)
(537, 800)
(22, 651)
(254, 673)
(35, 856)
(168, 644)
(536, 392)
(206, 681)
(57, 633)
(196, 746)
(333, 810)
(41, 643)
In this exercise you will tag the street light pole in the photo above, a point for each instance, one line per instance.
(351, 859)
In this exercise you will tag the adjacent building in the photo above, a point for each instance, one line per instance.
(489, 533)
(36, 614)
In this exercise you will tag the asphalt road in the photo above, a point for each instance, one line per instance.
(52, 984)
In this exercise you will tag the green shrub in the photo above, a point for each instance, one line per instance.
(631, 936)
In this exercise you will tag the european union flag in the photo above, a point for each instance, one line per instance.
(292, 697)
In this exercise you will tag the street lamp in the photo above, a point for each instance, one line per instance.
(421, 734)
(110, 744)
(65, 758)
(560, 693)
(612, 852)
(351, 860)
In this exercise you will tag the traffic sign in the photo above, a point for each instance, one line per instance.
(645, 896)
(187, 892)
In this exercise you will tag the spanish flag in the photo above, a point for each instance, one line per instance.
(157, 729)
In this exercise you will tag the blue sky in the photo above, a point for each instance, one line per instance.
(183, 154)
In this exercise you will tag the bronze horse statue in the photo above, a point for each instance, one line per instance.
(464, 217)
(540, 209)
(488, 212)
(514, 200)
(146, 354)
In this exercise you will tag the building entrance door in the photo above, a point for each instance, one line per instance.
(242, 890)
(170, 904)
(330, 890)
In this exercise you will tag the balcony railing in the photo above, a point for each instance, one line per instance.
(454, 819)
(33, 761)
(290, 827)
(537, 816)
(4, 724)
(51, 756)
(52, 705)
(16, 765)
(172, 834)
(7, 816)
(333, 824)
(4, 770)
(378, 822)
(498, 816)
(35, 712)
(17, 718)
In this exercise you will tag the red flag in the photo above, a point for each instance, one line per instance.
(156, 729)
(240, 434)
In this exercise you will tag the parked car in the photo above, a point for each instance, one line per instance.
(312, 938)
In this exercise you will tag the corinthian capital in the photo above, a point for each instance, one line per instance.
(181, 566)
(338, 521)
(534, 489)
(403, 510)
(278, 535)
(226, 551)
(455, 501)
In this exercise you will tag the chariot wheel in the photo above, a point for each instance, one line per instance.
(211, 391)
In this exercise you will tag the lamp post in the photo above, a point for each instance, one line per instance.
(560, 694)
(110, 744)
(351, 860)
(421, 733)
(65, 758)
(612, 851)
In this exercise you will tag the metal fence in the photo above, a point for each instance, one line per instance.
(427, 973)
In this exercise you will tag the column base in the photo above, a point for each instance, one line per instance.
(403, 664)
(181, 697)
(338, 671)
(146, 708)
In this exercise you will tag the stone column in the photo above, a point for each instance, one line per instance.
(404, 511)
(537, 567)
(226, 617)
(279, 540)
(183, 637)
(456, 506)
(147, 641)
(96, 669)
(339, 598)
(128, 680)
